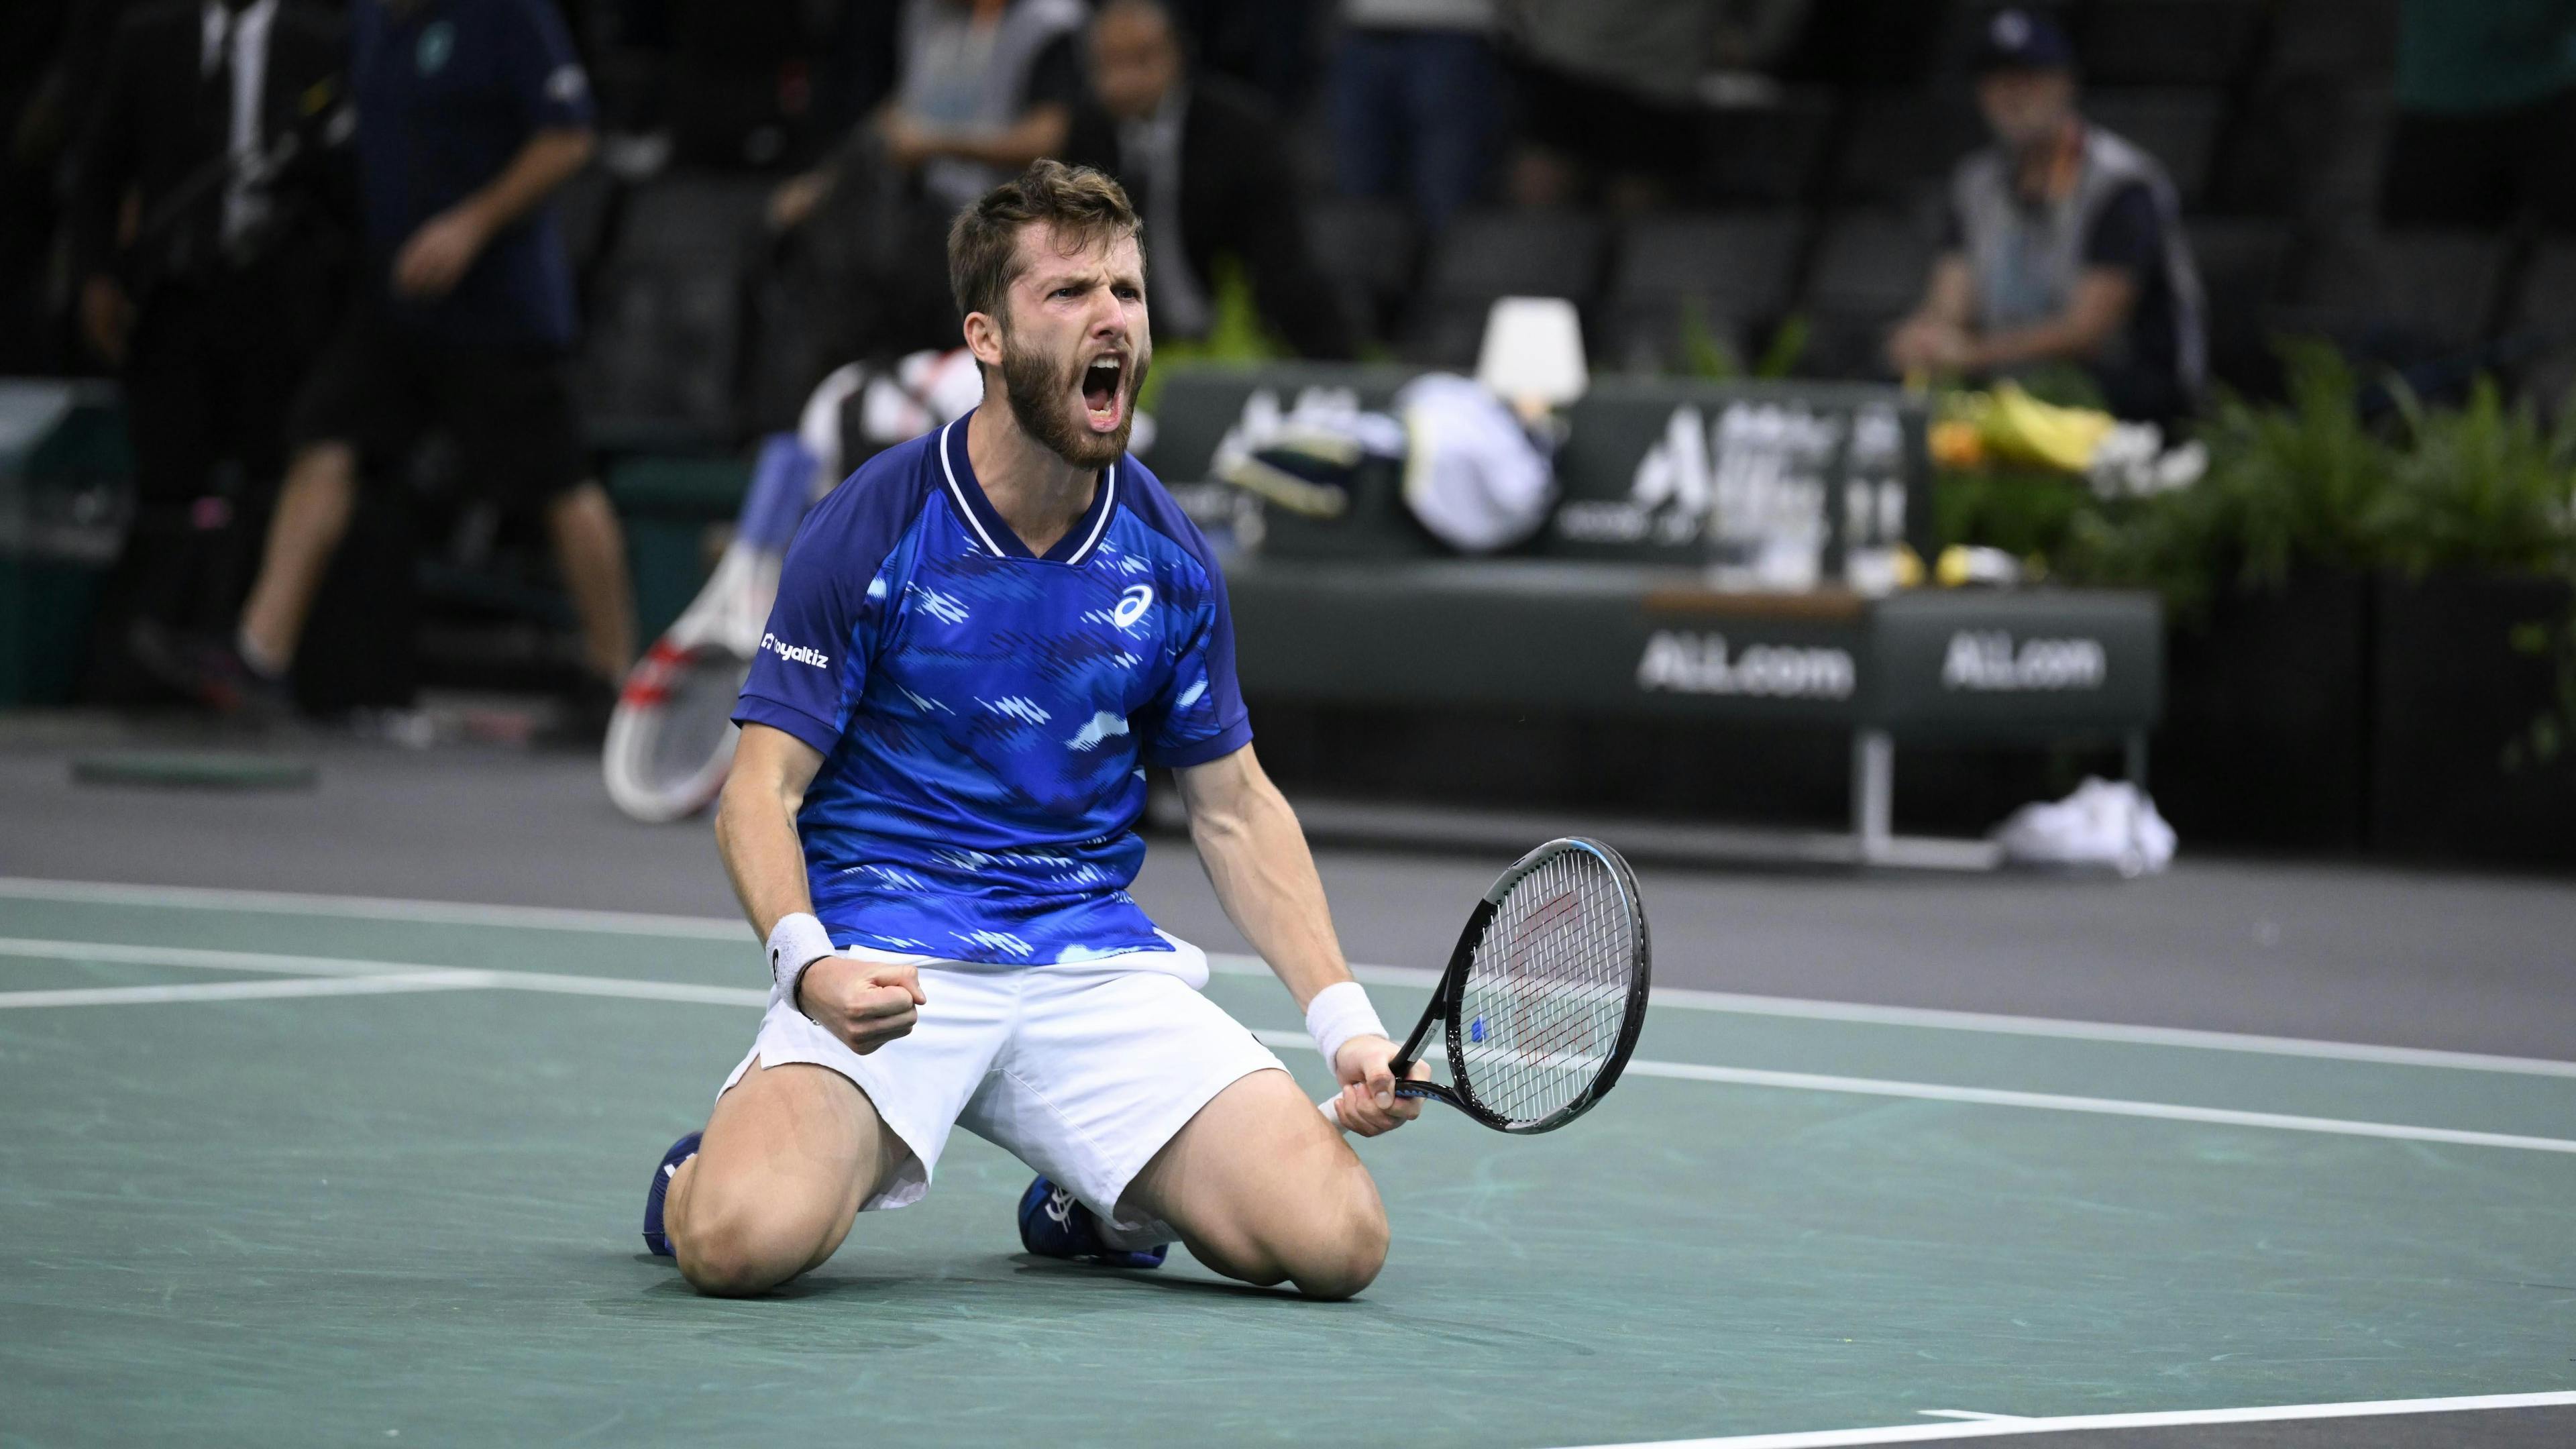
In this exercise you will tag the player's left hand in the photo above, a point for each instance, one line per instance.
(437, 256)
(1368, 1104)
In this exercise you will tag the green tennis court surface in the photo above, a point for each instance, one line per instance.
(285, 1172)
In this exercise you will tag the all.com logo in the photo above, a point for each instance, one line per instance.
(1703, 664)
(1989, 661)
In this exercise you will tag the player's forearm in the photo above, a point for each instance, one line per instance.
(756, 835)
(548, 160)
(1256, 857)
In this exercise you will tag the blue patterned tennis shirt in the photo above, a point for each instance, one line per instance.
(985, 715)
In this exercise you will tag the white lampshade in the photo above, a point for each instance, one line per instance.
(1534, 349)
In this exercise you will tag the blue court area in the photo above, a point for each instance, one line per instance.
(317, 1170)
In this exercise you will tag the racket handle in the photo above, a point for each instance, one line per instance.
(1331, 1107)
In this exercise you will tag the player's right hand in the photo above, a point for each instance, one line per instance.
(1368, 1104)
(864, 1003)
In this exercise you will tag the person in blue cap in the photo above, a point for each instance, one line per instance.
(2064, 245)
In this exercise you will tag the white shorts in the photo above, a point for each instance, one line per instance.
(1081, 1071)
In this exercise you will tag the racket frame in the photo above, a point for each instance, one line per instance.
(1449, 997)
(725, 623)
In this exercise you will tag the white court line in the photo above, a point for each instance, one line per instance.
(2102, 1106)
(637, 990)
(715, 928)
(199, 958)
(1935, 1019)
(378, 908)
(1969, 1414)
(2181, 1418)
(2046, 1102)
(377, 985)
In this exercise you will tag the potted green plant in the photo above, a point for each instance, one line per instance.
(2473, 642)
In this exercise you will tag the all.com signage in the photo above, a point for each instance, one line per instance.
(1741, 474)
(1989, 661)
(1688, 663)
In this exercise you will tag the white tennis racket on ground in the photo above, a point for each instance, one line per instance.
(670, 740)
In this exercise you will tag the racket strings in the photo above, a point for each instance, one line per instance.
(1546, 995)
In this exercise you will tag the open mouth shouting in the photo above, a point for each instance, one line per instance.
(1104, 392)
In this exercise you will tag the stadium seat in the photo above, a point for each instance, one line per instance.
(2167, 42)
(2406, 297)
(2178, 128)
(1722, 273)
(2243, 265)
(658, 363)
(1501, 253)
(1767, 155)
(2540, 327)
(1869, 272)
(1903, 145)
(1368, 251)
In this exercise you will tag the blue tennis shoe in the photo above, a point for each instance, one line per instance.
(681, 1151)
(1053, 1225)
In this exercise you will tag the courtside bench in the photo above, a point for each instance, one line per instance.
(1643, 598)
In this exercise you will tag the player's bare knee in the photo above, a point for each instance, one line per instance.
(733, 1254)
(725, 1264)
(1338, 1270)
(1344, 1251)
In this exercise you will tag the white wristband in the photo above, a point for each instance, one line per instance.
(1338, 1013)
(796, 942)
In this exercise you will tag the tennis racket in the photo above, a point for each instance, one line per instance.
(671, 737)
(1544, 996)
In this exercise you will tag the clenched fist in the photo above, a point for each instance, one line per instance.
(864, 1003)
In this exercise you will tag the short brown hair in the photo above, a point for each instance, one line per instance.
(1086, 208)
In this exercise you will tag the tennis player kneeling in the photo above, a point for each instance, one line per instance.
(981, 638)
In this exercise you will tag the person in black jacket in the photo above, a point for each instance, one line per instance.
(1202, 159)
(201, 257)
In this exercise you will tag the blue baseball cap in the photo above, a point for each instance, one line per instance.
(2020, 39)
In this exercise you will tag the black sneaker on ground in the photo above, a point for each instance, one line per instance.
(212, 673)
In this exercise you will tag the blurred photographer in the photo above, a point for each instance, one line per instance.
(470, 113)
(201, 241)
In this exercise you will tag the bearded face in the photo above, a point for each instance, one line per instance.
(1079, 402)
(1075, 343)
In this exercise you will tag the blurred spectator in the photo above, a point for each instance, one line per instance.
(1417, 98)
(1608, 90)
(204, 276)
(1201, 158)
(470, 114)
(982, 88)
(2486, 114)
(2064, 245)
(31, 136)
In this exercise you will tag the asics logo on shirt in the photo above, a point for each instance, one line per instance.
(1132, 605)
(795, 653)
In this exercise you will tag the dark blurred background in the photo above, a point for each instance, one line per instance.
(1725, 189)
